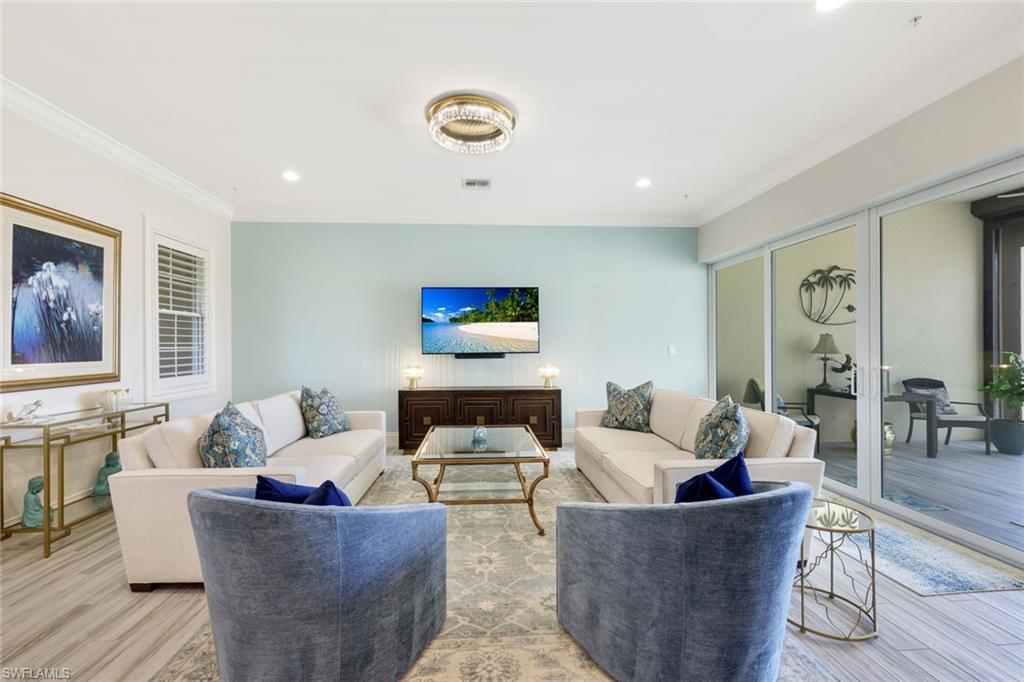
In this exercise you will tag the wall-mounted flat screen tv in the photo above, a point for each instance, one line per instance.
(480, 320)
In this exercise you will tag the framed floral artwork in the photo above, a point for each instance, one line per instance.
(61, 286)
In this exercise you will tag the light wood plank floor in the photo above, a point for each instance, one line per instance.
(74, 610)
(982, 494)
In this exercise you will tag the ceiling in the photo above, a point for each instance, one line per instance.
(713, 102)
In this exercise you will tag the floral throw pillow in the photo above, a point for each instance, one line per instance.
(322, 413)
(723, 432)
(629, 408)
(232, 441)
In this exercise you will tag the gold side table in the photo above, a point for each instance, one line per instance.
(61, 431)
(836, 525)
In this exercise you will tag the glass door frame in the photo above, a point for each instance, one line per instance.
(858, 221)
(1010, 171)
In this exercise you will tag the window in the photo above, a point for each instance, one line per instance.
(179, 324)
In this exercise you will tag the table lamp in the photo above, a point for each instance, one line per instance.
(826, 346)
(548, 373)
(412, 374)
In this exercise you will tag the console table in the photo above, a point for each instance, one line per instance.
(60, 431)
(537, 407)
(932, 443)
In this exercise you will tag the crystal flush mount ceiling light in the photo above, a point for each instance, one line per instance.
(470, 124)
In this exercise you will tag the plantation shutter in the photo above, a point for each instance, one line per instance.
(181, 312)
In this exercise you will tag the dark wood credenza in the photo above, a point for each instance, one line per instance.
(534, 406)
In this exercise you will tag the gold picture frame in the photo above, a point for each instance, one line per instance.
(64, 271)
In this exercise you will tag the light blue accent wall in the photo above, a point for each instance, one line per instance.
(339, 306)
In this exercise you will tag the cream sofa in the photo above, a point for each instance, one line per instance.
(162, 465)
(634, 467)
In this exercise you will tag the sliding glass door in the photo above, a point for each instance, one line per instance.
(815, 343)
(950, 315)
(879, 332)
(739, 342)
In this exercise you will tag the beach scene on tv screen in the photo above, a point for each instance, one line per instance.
(481, 320)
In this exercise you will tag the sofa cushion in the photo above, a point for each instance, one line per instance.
(699, 410)
(361, 444)
(628, 408)
(723, 432)
(770, 434)
(232, 441)
(634, 471)
(669, 410)
(338, 468)
(174, 445)
(282, 420)
(322, 413)
(600, 439)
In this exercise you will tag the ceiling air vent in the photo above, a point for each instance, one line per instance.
(476, 183)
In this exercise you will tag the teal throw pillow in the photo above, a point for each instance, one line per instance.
(232, 441)
(723, 432)
(322, 413)
(629, 409)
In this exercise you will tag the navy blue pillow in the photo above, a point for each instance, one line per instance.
(328, 495)
(272, 490)
(731, 479)
(734, 476)
(701, 488)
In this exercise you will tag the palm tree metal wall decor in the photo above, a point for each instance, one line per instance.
(827, 295)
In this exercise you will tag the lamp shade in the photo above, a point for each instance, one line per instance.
(826, 345)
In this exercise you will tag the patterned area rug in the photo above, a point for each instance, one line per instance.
(930, 565)
(502, 623)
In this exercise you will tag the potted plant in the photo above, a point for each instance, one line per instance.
(1007, 387)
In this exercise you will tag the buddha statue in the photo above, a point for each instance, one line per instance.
(111, 465)
(32, 512)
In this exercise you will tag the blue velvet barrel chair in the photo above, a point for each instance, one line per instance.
(311, 593)
(695, 591)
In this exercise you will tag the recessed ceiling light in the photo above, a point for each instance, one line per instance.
(828, 5)
(291, 176)
(643, 183)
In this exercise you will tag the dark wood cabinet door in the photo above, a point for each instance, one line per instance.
(474, 410)
(541, 414)
(418, 414)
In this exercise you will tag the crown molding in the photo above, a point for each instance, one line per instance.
(26, 103)
(959, 73)
(487, 219)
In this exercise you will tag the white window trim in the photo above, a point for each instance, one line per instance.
(158, 231)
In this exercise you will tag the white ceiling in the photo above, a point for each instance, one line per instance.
(714, 102)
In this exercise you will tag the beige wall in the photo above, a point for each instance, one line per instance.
(740, 327)
(42, 166)
(980, 121)
(932, 304)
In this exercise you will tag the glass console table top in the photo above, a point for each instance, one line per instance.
(502, 442)
(838, 518)
(73, 416)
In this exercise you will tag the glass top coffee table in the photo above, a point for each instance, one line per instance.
(446, 446)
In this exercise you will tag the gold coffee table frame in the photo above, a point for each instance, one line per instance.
(473, 458)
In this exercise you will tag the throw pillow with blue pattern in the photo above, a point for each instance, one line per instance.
(723, 432)
(322, 413)
(232, 441)
(629, 408)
